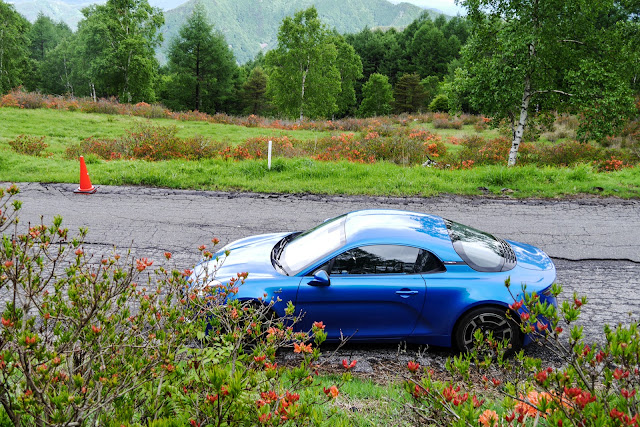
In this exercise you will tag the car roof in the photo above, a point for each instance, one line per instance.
(389, 226)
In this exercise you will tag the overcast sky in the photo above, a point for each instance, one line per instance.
(447, 6)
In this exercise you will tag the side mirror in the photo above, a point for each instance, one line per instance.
(320, 278)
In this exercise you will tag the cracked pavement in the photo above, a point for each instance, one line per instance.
(594, 241)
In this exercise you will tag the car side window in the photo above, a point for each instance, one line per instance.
(429, 263)
(376, 259)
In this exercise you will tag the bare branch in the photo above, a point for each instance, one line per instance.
(553, 91)
(573, 41)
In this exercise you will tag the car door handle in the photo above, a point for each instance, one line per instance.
(406, 293)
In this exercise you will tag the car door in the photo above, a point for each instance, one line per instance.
(374, 292)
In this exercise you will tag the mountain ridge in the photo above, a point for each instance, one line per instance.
(249, 26)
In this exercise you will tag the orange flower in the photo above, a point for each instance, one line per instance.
(489, 418)
(533, 400)
(331, 391)
(301, 348)
(319, 325)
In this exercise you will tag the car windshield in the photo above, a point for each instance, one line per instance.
(480, 250)
(313, 245)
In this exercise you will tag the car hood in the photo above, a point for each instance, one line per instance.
(530, 257)
(251, 254)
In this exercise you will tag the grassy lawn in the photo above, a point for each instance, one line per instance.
(301, 175)
(64, 128)
(363, 402)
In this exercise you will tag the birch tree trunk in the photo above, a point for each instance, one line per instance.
(518, 130)
(304, 78)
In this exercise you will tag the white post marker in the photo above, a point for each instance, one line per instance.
(269, 156)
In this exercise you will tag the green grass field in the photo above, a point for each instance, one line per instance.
(302, 175)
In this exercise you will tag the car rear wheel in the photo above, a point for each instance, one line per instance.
(486, 319)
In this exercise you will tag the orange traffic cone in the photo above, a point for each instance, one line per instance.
(85, 182)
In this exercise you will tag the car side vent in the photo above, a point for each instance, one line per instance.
(508, 254)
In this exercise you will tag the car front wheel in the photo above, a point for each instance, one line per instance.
(486, 319)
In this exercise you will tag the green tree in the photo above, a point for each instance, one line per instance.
(350, 67)
(201, 66)
(303, 77)
(57, 72)
(431, 87)
(430, 51)
(44, 37)
(408, 94)
(14, 50)
(377, 96)
(554, 55)
(440, 103)
(376, 49)
(254, 92)
(118, 41)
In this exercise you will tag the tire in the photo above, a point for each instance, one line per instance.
(486, 319)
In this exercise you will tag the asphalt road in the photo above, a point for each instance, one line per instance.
(594, 242)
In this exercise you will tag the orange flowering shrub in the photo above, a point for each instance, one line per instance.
(595, 385)
(116, 339)
(345, 147)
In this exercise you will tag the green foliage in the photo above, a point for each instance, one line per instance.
(201, 67)
(548, 55)
(303, 76)
(408, 94)
(254, 92)
(350, 67)
(377, 49)
(44, 37)
(440, 103)
(116, 43)
(431, 87)
(377, 96)
(430, 51)
(14, 53)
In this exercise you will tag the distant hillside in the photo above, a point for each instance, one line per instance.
(249, 26)
(252, 25)
(67, 11)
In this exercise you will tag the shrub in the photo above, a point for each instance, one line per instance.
(568, 153)
(493, 151)
(447, 124)
(440, 103)
(610, 165)
(594, 385)
(199, 147)
(29, 145)
(154, 111)
(107, 341)
(149, 142)
(107, 149)
(344, 147)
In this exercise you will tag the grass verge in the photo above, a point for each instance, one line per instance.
(309, 176)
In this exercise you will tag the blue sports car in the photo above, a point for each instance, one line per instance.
(387, 275)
